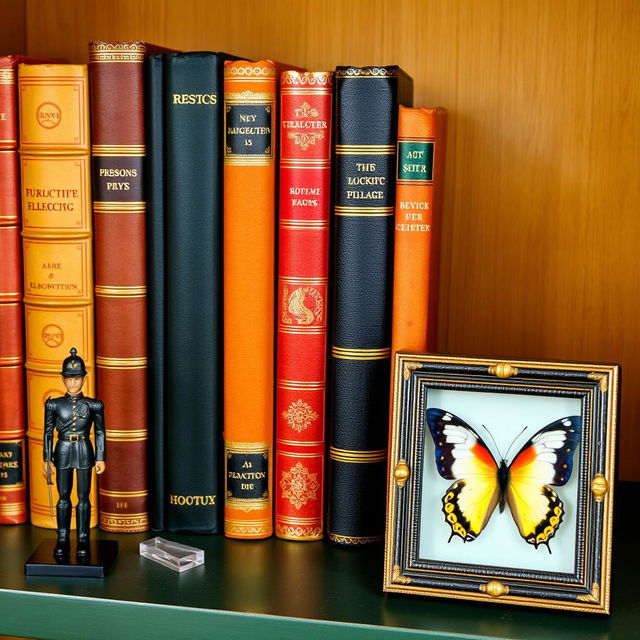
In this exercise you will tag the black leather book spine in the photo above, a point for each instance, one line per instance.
(365, 159)
(193, 362)
(154, 176)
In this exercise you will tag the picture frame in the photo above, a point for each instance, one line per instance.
(474, 440)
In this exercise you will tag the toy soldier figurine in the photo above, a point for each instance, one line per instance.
(71, 416)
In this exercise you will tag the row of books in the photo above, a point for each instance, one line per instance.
(220, 344)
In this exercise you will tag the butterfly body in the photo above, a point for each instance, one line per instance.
(481, 484)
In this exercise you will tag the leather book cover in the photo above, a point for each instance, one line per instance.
(194, 118)
(365, 157)
(13, 421)
(154, 179)
(419, 186)
(57, 248)
(116, 75)
(250, 101)
(301, 318)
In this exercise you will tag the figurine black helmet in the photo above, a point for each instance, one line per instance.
(73, 365)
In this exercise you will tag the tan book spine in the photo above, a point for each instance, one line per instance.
(58, 258)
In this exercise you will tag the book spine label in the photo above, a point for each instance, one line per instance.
(305, 197)
(417, 222)
(116, 75)
(56, 205)
(365, 151)
(249, 265)
(193, 186)
(154, 179)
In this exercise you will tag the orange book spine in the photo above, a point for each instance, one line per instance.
(57, 248)
(420, 172)
(249, 271)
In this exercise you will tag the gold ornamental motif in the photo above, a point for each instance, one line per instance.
(503, 370)
(250, 72)
(305, 110)
(397, 577)
(409, 367)
(602, 380)
(299, 486)
(401, 473)
(298, 532)
(116, 52)
(299, 415)
(294, 307)
(593, 597)
(308, 78)
(599, 487)
(305, 140)
(495, 589)
(367, 72)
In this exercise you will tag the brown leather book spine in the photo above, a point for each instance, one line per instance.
(119, 207)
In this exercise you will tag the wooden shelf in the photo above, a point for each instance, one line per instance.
(284, 590)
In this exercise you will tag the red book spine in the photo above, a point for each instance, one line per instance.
(118, 150)
(305, 179)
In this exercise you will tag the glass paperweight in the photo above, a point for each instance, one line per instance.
(178, 557)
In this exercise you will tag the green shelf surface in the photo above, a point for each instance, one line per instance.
(284, 590)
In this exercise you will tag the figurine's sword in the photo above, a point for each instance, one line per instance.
(49, 486)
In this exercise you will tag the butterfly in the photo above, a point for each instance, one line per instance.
(481, 483)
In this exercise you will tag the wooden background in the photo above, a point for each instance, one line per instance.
(541, 232)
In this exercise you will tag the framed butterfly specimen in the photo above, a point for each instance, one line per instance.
(501, 481)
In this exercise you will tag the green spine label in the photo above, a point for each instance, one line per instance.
(415, 160)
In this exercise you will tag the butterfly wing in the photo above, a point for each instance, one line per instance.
(461, 455)
(546, 459)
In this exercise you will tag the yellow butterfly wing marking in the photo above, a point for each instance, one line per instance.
(470, 501)
(536, 508)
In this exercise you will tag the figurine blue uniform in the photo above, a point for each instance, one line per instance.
(72, 416)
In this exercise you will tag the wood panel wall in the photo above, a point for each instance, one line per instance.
(541, 236)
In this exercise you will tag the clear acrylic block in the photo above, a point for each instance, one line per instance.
(179, 557)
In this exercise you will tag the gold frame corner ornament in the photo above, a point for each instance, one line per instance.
(495, 589)
(602, 379)
(401, 473)
(397, 576)
(599, 487)
(593, 596)
(502, 370)
(409, 367)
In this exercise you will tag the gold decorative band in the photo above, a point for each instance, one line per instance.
(306, 331)
(127, 435)
(357, 457)
(258, 161)
(247, 530)
(125, 523)
(247, 504)
(292, 280)
(129, 150)
(117, 51)
(302, 443)
(119, 207)
(370, 212)
(13, 509)
(121, 292)
(361, 354)
(308, 78)
(292, 223)
(298, 454)
(7, 76)
(301, 385)
(335, 537)
(11, 294)
(365, 149)
(121, 363)
(18, 486)
(367, 72)
(123, 494)
(250, 447)
(289, 532)
(237, 72)
(10, 361)
(292, 520)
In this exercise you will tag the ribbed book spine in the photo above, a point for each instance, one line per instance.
(58, 256)
(13, 492)
(419, 185)
(365, 157)
(249, 268)
(119, 207)
(193, 359)
(154, 176)
(303, 259)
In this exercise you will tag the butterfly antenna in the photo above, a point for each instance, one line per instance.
(513, 442)
(495, 444)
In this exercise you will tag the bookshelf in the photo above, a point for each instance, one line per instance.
(540, 238)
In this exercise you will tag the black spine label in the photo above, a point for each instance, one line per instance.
(366, 181)
(118, 179)
(248, 132)
(10, 463)
(247, 476)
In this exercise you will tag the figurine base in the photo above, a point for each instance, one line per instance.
(97, 564)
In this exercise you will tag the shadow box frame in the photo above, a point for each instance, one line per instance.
(411, 447)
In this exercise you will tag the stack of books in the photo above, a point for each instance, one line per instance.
(264, 239)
